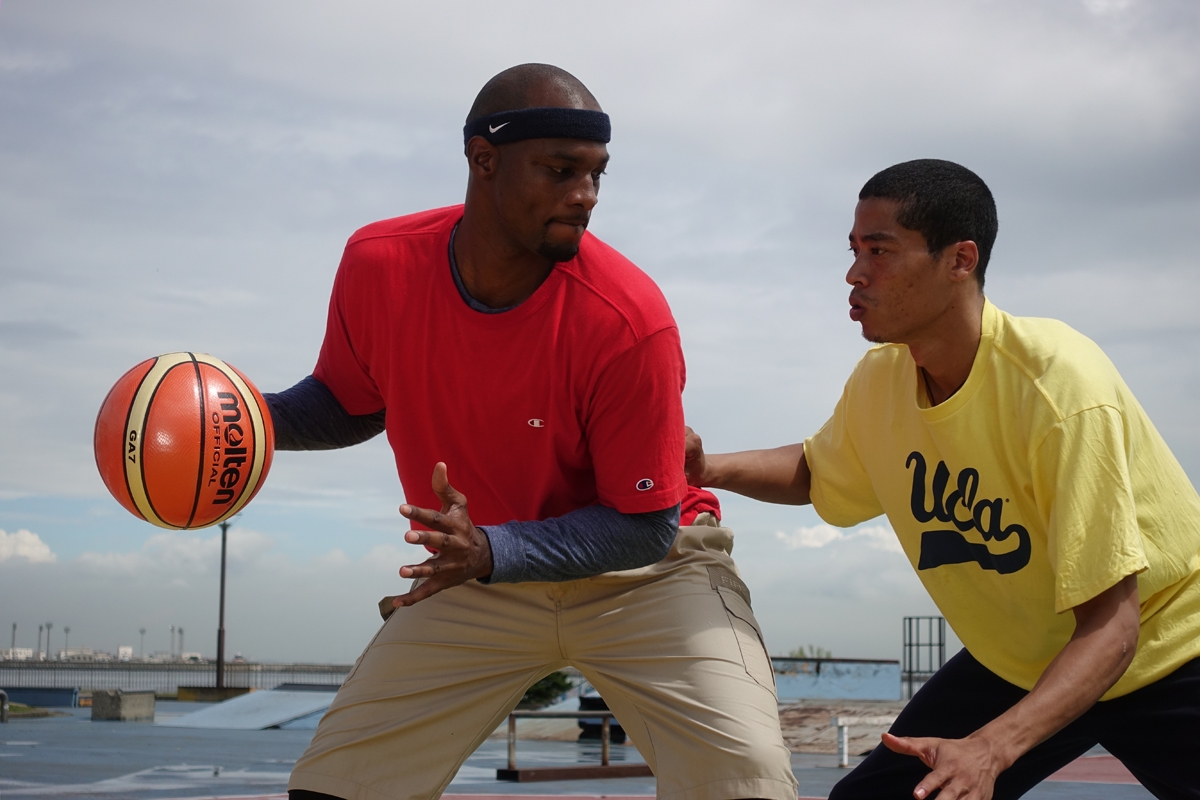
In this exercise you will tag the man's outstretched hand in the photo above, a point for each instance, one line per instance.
(964, 769)
(463, 552)
(693, 457)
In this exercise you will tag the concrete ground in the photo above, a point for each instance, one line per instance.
(70, 756)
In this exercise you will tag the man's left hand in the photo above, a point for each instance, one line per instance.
(964, 769)
(463, 552)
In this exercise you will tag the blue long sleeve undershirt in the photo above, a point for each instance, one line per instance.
(579, 544)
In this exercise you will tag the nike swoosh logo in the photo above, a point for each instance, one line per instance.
(498, 127)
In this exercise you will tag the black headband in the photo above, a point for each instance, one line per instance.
(540, 123)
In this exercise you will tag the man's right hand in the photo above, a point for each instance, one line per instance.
(693, 457)
(774, 476)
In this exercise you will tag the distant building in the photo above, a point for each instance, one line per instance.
(17, 654)
(193, 658)
(85, 654)
(125, 653)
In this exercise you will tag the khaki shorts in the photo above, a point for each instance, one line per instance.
(673, 648)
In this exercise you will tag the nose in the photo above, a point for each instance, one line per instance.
(857, 274)
(585, 193)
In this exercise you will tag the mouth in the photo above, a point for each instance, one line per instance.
(857, 308)
(578, 223)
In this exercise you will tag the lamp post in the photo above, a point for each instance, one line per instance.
(221, 613)
(38, 652)
(142, 646)
(66, 640)
(49, 625)
(172, 641)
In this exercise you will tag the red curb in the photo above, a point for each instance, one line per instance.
(1095, 769)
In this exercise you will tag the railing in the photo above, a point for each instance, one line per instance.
(163, 678)
(924, 651)
(604, 769)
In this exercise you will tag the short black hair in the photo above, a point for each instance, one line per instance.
(511, 89)
(943, 201)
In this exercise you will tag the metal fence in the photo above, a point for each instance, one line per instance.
(162, 678)
(924, 651)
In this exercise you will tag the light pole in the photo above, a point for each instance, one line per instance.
(38, 652)
(172, 641)
(13, 646)
(66, 640)
(180, 642)
(49, 625)
(221, 613)
(142, 646)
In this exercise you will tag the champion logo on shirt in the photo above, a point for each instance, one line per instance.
(537, 423)
(645, 484)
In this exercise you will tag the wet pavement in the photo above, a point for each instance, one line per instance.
(70, 756)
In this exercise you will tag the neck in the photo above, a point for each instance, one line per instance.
(946, 351)
(494, 269)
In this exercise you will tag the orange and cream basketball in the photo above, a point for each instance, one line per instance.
(184, 440)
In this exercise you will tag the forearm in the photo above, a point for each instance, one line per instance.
(309, 417)
(779, 475)
(1093, 660)
(579, 544)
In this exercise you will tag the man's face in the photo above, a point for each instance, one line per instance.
(900, 288)
(545, 191)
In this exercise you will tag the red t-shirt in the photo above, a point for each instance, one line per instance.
(571, 398)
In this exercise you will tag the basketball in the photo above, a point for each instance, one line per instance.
(184, 441)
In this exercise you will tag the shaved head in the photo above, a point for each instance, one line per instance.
(531, 86)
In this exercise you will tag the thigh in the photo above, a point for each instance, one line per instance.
(437, 678)
(677, 654)
(1155, 732)
(962, 697)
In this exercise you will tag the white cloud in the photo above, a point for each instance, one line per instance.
(1103, 7)
(877, 537)
(180, 553)
(27, 545)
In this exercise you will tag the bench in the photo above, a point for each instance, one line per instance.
(586, 771)
(843, 732)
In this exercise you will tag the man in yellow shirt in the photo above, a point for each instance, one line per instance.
(1023, 481)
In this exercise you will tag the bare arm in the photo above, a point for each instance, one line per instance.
(779, 475)
(1099, 652)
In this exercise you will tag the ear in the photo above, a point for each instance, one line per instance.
(965, 257)
(482, 158)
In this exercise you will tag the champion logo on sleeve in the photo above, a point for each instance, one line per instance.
(537, 423)
(645, 484)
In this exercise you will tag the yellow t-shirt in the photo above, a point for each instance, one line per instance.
(1034, 488)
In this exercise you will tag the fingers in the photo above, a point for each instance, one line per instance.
(930, 783)
(923, 748)
(436, 520)
(442, 488)
(693, 457)
(418, 593)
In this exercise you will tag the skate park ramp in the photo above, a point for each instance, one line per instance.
(258, 711)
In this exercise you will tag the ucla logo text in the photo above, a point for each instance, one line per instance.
(965, 512)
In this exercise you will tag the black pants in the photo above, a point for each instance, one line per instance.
(1154, 731)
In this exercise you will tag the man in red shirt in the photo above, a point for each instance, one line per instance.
(501, 343)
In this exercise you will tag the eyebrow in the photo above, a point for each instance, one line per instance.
(877, 237)
(564, 155)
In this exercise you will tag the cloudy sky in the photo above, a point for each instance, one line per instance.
(184, 176)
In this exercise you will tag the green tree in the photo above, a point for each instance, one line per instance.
(811, 651)
(546, 691)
